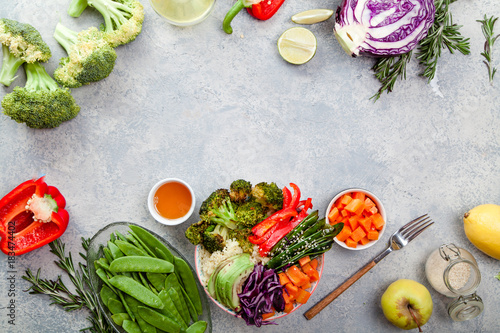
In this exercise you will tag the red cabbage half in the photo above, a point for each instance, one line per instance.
(382, 27)
(262, 291)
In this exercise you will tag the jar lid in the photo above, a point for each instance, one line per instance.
(465, 307)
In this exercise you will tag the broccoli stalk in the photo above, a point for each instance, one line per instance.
(90, 57)
(76, 7)
(122, 19)
(21, 43)
(225, 215)
(40, 103)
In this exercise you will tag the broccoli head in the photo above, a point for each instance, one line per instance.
(21, 43)
(214, 238)
(122, 18)
(240, 190)
(90, 57)
(214, 200)
(241, 236)
(195, 232)
(250, 213)
(41, 103)
(268, 195)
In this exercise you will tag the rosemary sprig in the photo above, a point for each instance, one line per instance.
(487, 26)
(442, 34)
(62, 296)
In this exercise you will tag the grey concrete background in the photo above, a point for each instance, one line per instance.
(209, 108)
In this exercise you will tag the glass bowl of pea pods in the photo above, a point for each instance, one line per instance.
(142, 283)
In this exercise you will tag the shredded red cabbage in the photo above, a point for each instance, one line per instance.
(261, 292)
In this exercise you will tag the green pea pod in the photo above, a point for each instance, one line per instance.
(190, 306)
(106, 293)
(101, 263)
(115, 251)
(118, 318)
(104, 277)
(170, 310)
(129, 249)
(112, 237)
(166, 257)
(189, 282)
(131, 239)
(143, 245)
(158, 320)
(134, 304)
(141, 264)
(137, 290)
(152, 242)
(157, 280)
(171, 282)
(120, 236)
(115, 306)
(180, 305)
(107, 254)
(131, 327)
(197, 327)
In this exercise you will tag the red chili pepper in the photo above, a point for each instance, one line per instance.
(262, 227)
(265, 9)
(31, 215)
(287, 197)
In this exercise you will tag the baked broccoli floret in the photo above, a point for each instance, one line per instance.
(21, 43)
(268, 195)
(41, 103)
(195, 232)
(240, 190)
(241, 236)
(90, 58)
(122, 18)
(214, 238)
(249, 214)
(214, 200)
(225, 215)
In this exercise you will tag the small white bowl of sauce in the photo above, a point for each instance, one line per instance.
(171, 201)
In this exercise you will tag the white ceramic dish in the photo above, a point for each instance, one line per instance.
(381, 210)
(151, 203)
(321, 260)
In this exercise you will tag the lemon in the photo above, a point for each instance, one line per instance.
(297, 45)
(482, 228)
(312, 16)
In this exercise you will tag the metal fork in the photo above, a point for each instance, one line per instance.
(398, 240)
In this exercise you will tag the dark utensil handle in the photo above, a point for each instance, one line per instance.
(336, 293)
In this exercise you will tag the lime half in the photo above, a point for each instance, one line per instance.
(297, 45)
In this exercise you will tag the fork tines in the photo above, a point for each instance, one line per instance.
(416, 227)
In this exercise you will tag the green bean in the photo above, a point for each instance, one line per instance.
(152, 242)
(180, 305)
(141, 264)
(157, 280)
(189, 281)
(306, 223)
(118, 318)
(158, 320)
(106, 293)
(137, 290)
(131, 327)
(129, 249)
(115, 306)
(170, 310)
(115, 251)
(134, 304)
(197, 327)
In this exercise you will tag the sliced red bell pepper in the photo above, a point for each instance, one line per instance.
(296, 196)
(31, 215)
(264, 10)
(262, 227)
(287, 197)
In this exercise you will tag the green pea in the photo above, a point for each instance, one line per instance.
(136, 290)
(141, 264)
(180, 305)
(131, 327)
(129, 249)
(115, 306)
(170, 310)
(118, 318)
(189, 282)
(159, 320)
(152, 242)
(197, 327)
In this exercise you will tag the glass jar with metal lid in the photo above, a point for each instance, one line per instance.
(453, 272)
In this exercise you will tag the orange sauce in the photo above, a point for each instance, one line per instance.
(172, 200)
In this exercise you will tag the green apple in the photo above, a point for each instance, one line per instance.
(407, 304)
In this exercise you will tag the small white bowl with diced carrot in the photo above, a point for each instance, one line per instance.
(363, 216)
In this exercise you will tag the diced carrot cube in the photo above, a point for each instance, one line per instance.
(353, 222)
(344, 233)
(303, 261)
(344, 213)
(349, 242)
(268, 315)
(307, 269)
(333, 215)
(365, 223)
(283, 278)
(359, 195)
(354, 205)
(364, 241)
(302, 296)
(345, 199)
(314, 275)
(288, 298)
(358, 234)
(288, 307)
(373, 210)
(307, 285)
(378, 221)
(372, 235)
(314, 263)
(296, 276)
(369, 204)
(291, 289)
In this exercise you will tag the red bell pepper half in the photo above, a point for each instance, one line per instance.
(31, 215)
(264, 10)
